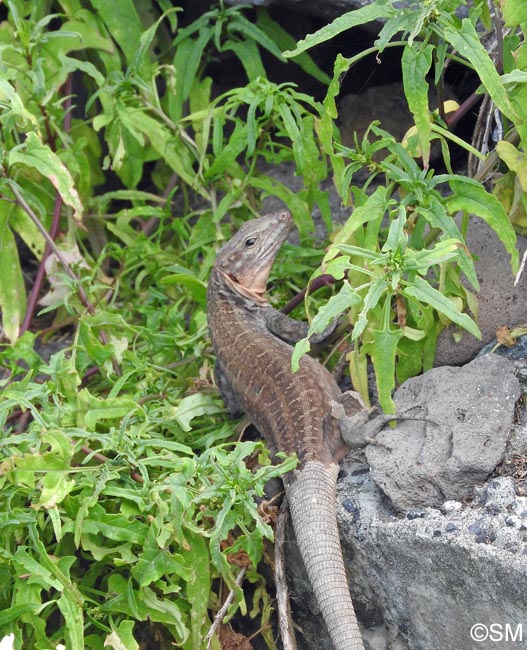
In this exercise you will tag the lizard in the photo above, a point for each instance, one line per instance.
(304, 412)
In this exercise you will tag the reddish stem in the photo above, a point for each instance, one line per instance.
(41, 273)
(320, 281)
(54, 231)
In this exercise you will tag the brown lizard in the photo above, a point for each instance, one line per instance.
(303, 412)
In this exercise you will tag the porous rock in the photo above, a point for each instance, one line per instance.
(465, 419)
(435, 576)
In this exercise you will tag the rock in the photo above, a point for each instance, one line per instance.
(498, 495)
(500, 302)
(466, 419)
(432, 588)
(421, 582)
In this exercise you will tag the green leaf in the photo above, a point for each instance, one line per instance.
(437, 217)
(515, 161)
(373, 209)
(198, 585)
(71, 609)
(302, 347)
(375, 292)
(247, 52)
(93, 410)
(165, 610)
(9, 96)
(228, 155)
(334, 307)
(382, 349)
(416, 62)
(35, 154)
(513, 12)
(366, 14)
(122, 637)
(55, 488)
(468, 43)
(422, 291)
(194, 406)
(187, 61)
(474, 199)
(255, 34)
(167, 144)
(154, 563)
(12, 288)
(123, 23)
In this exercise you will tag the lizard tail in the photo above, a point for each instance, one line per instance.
(311, 496)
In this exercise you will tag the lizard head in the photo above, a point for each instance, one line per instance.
(246, 259)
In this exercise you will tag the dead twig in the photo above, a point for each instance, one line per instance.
(223, 609)
(285, 622)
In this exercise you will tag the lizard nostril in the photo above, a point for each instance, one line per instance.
(283, 216)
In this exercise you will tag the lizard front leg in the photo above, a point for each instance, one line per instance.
(356, 427)
(290, 330)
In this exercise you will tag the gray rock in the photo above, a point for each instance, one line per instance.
(436, 576)
(421, 583)
(500, 302)
(466, 418)
(499, 494)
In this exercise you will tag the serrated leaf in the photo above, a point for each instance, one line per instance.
(513, 12)
(416, 62)
(515, 161)
(153, 563)
(374, 208)
(123, 23)
(198, 584)
(71, 610)
(35, 154)
(194, 406)
(302, 347)
(12, 288)
(383, 351)
(92, 409)
(334, 307)
(375, 292)
(474, 199)
(351, 19)
(468, 43)
(165, 611)
(422, 291)
(122, 638)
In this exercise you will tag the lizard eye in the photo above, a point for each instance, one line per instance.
(250, 242)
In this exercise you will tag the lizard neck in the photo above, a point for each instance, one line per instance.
(233, 286)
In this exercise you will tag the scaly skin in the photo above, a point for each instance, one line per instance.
(296, 412)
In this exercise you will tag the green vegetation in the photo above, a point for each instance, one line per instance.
(127, 508)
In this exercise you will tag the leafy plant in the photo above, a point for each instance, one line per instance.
(126, 507)
(127, 510)
(404, 278)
